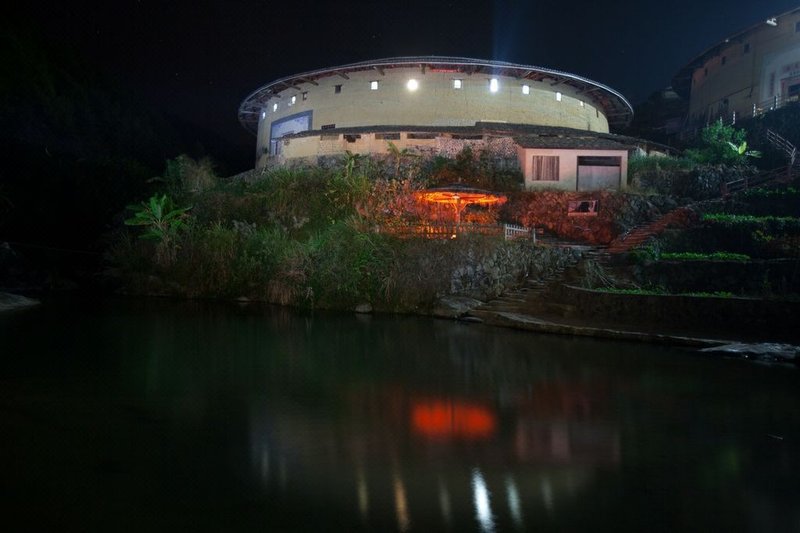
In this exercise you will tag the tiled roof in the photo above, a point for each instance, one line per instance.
(583, 142)
(525, 135)
(616, 108)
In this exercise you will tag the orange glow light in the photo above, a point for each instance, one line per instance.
(461, 198)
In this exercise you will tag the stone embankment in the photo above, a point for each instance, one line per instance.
(552, 302)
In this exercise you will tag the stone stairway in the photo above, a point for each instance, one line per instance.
(534, 297)
(680, 217)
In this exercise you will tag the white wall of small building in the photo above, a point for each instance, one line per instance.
(568, 166)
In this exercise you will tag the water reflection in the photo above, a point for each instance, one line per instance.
(514, 504)
(483, 510)
(393, 424)
(400, 504)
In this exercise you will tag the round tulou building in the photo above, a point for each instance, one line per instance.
(552, 124)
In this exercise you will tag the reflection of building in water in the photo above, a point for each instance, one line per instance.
(421, 462)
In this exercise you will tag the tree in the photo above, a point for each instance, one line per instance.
(162, 221)
(351, 161)
(722, 144)
(185, 175)
(398, 155)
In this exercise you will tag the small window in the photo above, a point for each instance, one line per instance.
(723, 60)
(746, 48)
(421, 136)
(494, 85)
(327, 126)
(274, 107)
(373, 85)
(305, 95)
(599, 161)
(387, 136)
(582, 208)
(457, 84)
(352, 138)
(558, 96)
(337, 89)
(544, 168)
(293, 100)
(263, 114)
(526, 89)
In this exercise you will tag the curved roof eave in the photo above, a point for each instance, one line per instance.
(682, 81)
(618, 110)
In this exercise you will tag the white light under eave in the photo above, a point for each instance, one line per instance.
(494, 85)
(412, 85)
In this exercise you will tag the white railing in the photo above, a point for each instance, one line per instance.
(692, 128)
(512, 231)
(450, 231)
(782, 144)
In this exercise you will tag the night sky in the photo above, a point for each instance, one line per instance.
(198, 60)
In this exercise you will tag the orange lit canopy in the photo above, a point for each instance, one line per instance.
(460, 196)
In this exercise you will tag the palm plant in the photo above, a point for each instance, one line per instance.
(162, 221)
(398, 155)
(351, 161)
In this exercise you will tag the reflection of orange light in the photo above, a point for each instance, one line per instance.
(452, 419)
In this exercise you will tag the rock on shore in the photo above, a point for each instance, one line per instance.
(9, 302)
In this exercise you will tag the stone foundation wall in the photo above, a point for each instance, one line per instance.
(777, 276)
(663, 313)
(485, 276)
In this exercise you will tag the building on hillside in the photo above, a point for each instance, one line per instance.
(553, 124)
(750, 72)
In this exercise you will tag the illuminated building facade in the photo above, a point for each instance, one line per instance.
(437, 105)
(748, 73)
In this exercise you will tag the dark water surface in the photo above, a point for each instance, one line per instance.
(165, 416)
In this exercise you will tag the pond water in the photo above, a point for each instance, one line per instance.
(175, 416)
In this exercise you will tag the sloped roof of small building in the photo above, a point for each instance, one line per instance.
(583, 142)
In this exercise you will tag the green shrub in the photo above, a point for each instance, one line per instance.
(658, 291)
(349, 266)
(768, 224)
(682, 177)
(722, 144)
(763, 201)
(695, 256)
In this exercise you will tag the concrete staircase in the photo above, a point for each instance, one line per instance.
(677, 218)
